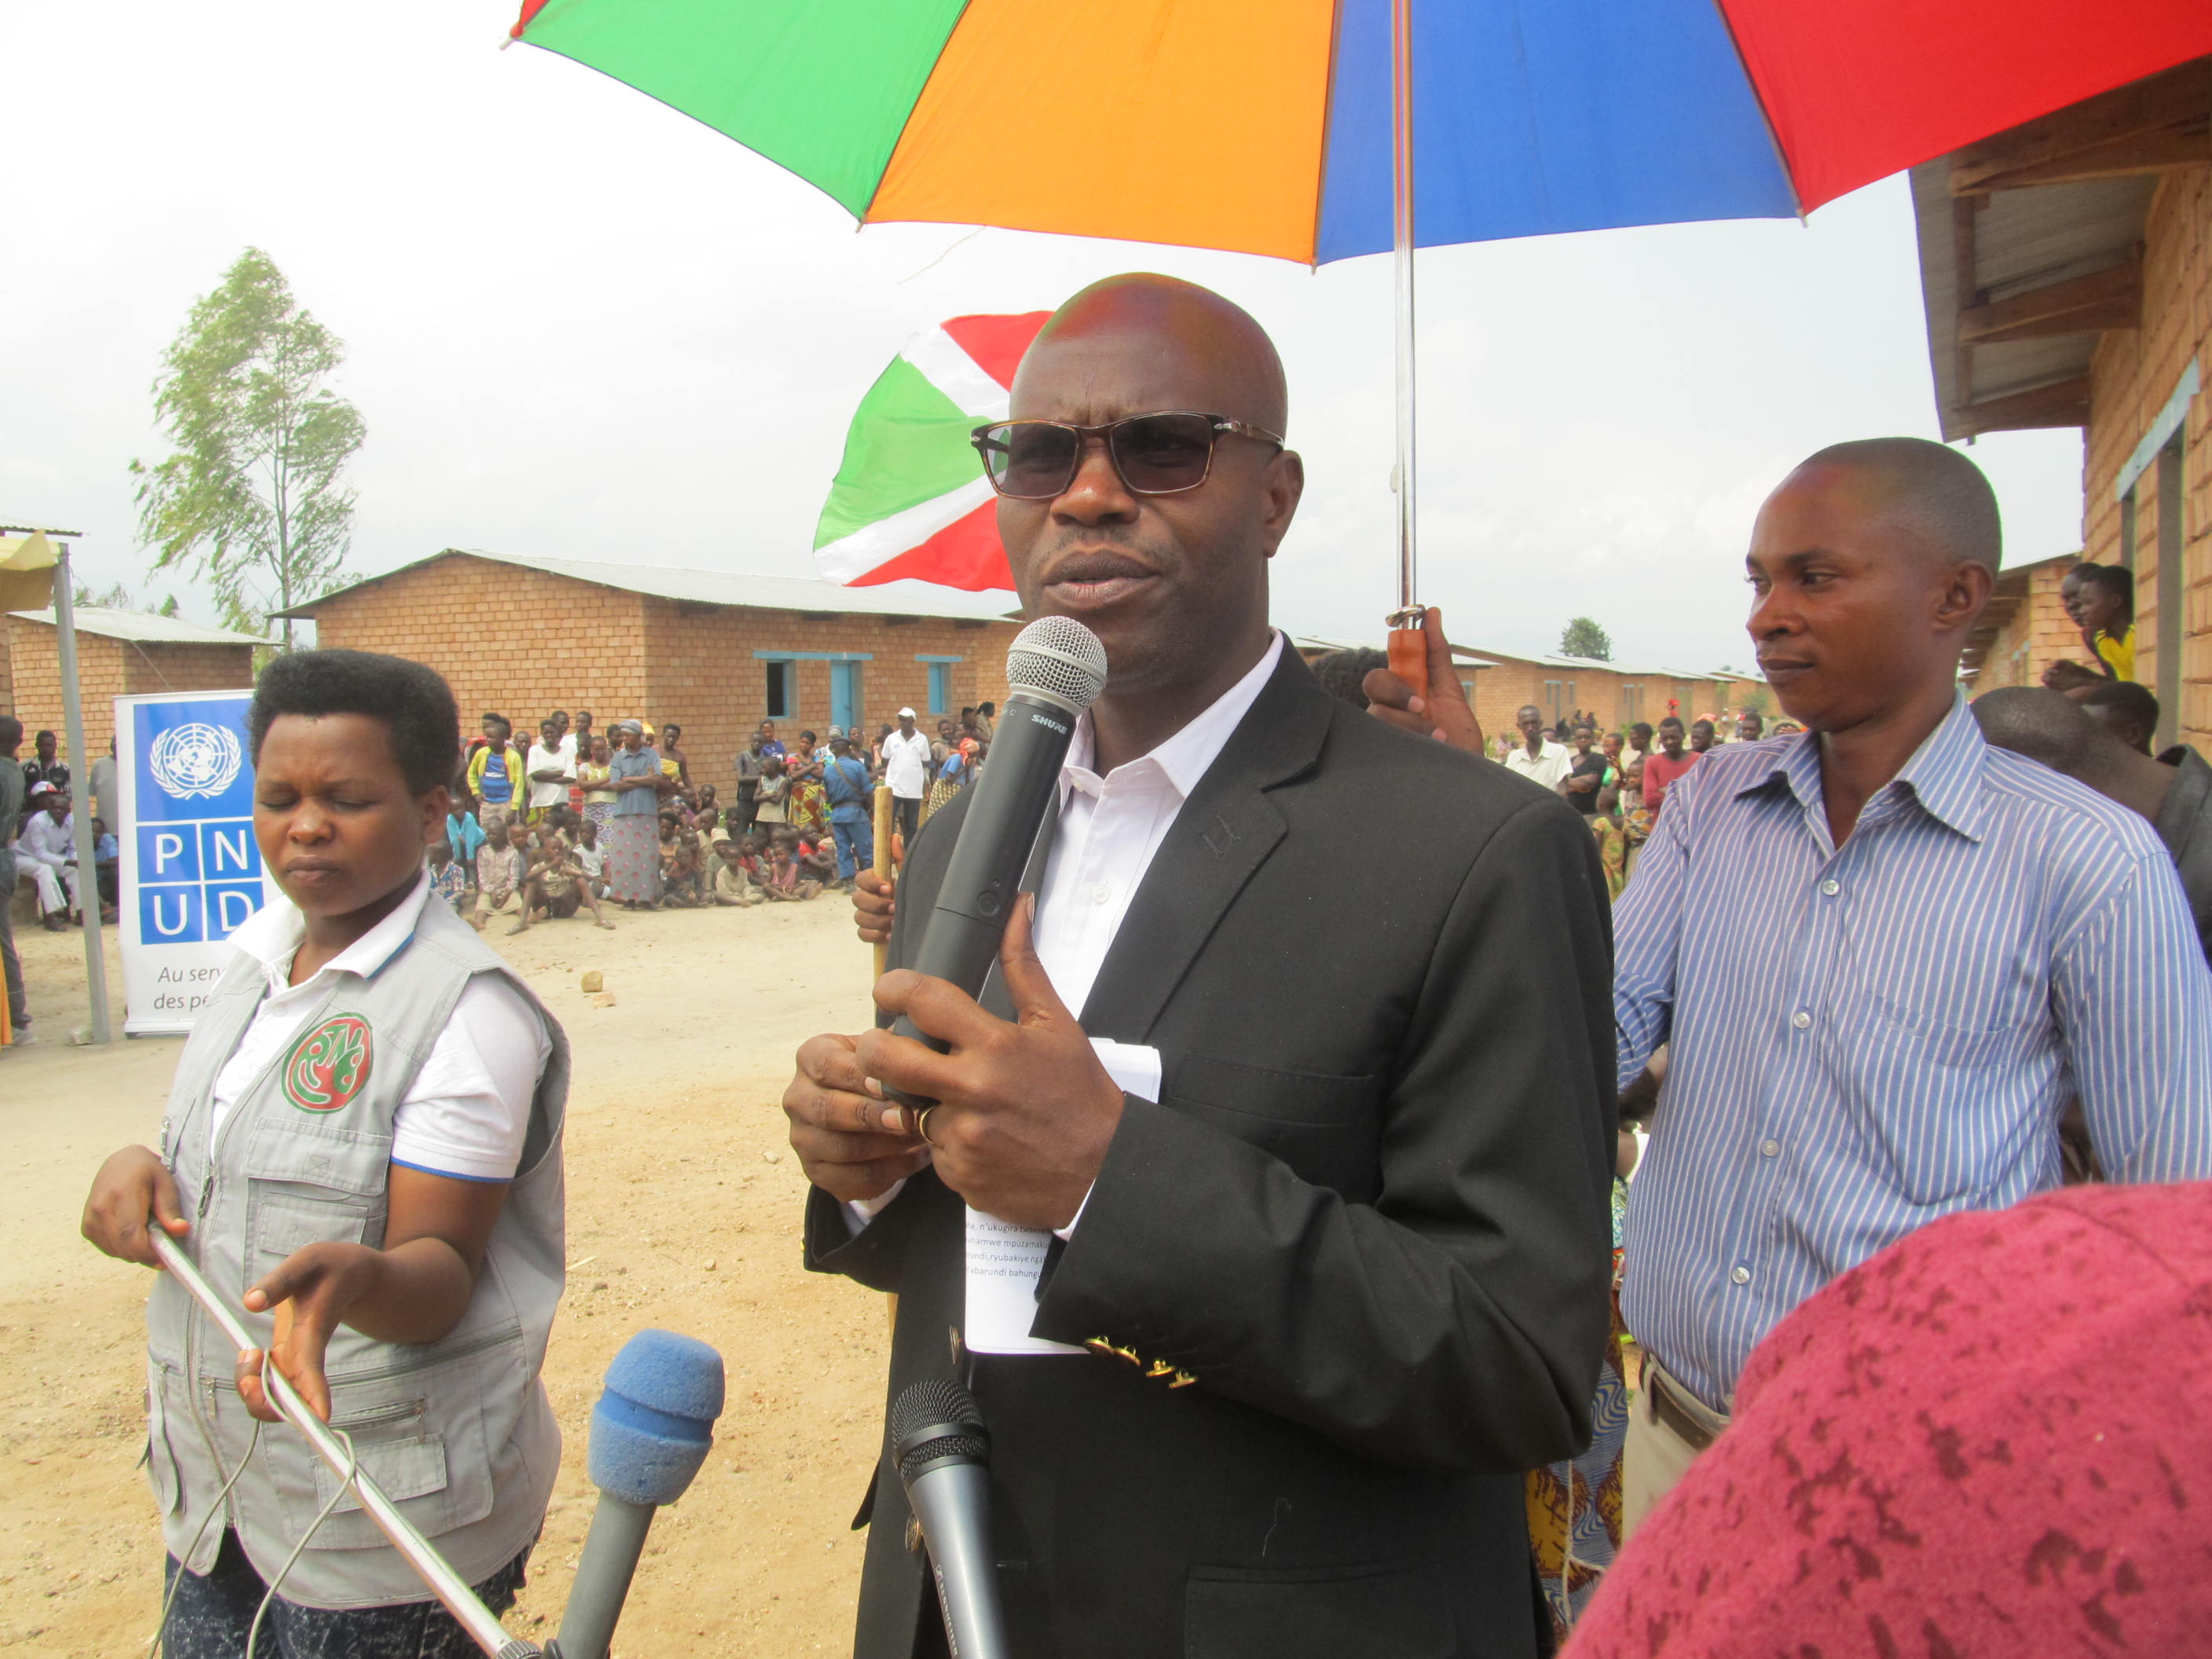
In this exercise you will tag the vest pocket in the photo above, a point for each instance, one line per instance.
(419, 1432)
(282, 1217)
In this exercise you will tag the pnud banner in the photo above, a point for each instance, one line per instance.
(190, 870)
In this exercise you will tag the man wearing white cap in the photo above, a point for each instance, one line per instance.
(906, 769)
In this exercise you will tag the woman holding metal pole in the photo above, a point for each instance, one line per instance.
(362, 1145)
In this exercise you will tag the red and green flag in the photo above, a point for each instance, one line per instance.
(910, 500)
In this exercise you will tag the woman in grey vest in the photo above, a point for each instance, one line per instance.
(363, 1145)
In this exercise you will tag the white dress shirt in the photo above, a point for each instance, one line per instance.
(468, 1109)
(1110, 828)
(50, 840)
(1551, 763)
(905, 764)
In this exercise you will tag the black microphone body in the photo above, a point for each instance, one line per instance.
(1007, 806)
(943, 1460)
(1056, 667)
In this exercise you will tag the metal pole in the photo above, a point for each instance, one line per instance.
(87, 869)
(445, 1583)
(1407, 642)
(1401, 241)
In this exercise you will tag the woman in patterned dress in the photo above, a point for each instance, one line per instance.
(632, 832)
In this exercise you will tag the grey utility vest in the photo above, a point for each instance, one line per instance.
(458, 1433)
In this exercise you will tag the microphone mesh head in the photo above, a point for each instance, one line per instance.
(1059, 657)
(934, 1403)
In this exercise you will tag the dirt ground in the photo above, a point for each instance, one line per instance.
(683, 1204)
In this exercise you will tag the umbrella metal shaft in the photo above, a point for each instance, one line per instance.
(445, 1583)
(1402, 203)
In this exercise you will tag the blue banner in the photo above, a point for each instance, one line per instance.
(191, 870)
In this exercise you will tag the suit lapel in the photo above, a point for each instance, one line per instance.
(1225, 833)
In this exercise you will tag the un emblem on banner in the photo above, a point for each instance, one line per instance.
(195, 760)
(329, 1065)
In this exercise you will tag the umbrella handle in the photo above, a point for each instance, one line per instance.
(1408, 647)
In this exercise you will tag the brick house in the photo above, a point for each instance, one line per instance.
(2024, 630)
(715, 652)
(119, 653)
(2066, 271)
(1501, 684)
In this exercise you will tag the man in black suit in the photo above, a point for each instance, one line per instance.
(1326, 1153)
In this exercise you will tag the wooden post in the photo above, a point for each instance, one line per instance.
(885, 817)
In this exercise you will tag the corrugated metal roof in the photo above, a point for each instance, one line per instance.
(2023, 240)
(731, 587)
(141, 628)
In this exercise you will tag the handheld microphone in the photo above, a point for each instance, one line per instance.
(1056, 668)
(650, 1432)
(944, 1454)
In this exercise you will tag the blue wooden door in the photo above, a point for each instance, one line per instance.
(844, 695)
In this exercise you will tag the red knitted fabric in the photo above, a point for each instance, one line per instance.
(1993, 1439)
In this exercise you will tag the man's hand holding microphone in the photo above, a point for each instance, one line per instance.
(1023, 1114)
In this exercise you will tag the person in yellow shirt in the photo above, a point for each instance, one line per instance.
(496, 778)
(2103, 605)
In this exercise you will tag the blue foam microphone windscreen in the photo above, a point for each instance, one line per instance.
(652, 1426)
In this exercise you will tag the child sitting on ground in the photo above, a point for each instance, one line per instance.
(448, 880)
(556, 885)
(817, 859)
(732, 885)
(679, 863)
(783, 876)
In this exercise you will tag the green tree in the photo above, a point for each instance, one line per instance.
(254, 495)
(1583, 638)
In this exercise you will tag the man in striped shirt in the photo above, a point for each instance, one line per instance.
(1883, 955)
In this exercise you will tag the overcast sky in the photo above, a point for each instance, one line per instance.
(580, 325)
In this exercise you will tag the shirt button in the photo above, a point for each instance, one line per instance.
(1742, 1275)
(1100, 893)
(1801, 1019)
(1832, 887)
(1769, 1149)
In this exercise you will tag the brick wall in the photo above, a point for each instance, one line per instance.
(2035, 635)
(107, 668)
(522, 643)
(525, 642)
(34, 662)
(2133, 374)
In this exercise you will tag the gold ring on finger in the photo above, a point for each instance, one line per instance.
(921, 1124)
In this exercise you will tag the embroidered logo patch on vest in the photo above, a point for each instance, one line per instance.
(329, 1065)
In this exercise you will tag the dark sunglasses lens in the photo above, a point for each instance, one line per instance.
(1028, 459)
(1161, 453)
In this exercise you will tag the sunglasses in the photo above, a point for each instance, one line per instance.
(1153, 455)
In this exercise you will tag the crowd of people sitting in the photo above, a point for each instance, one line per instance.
(584, 815)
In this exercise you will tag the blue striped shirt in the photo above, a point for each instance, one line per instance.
(1865, 1039)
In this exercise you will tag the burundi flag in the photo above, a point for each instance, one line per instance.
(910, 500)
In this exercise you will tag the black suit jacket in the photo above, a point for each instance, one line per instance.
(1370, 1215)
(2184, 824)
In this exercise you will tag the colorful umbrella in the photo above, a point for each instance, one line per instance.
(909, 500)
(1264, 126)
